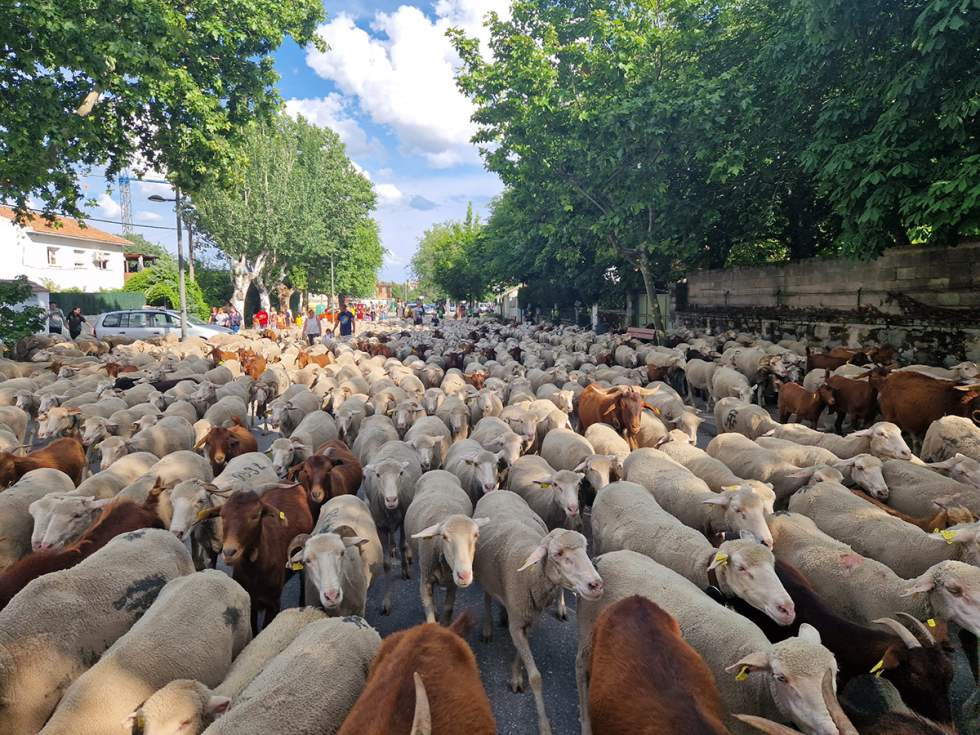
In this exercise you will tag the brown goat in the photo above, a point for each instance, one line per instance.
(306, 357)
(942, 519)
(450, 685)
(332, 471)
(620, 407)
(223, 444)
(806, 405)
(913, 400)
(67, 455)
(645, 679)
(252, 365)
(476, 379)
(219, 355)
(118, 516)
(818, 360)
(857, 399)
(255, 537)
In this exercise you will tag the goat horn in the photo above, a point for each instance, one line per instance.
(901, 631)
(833, 706)
(922, 628)
(422, 722)
(767, 726)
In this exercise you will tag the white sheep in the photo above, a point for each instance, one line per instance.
(606, 440)
(431, 439)
(374, 432)
(193, 630)
(552, 494)
(625, 516)
(340, 557)
(733, 647)
(494, 435)
(89, 606)
(747, 459)
(915, 488)
(336, 650)
(313, 430)
(350, 414)
(169, 434)
(863, 589)
(961, 468)
(949, 436)
(389, 486)
(16, 523)
(729, 383)
(698, 374)
(444, 535)
(475, 467)
(564, 449)
(883, 439)
(455, 414)
(523, 566)
(734, 415)
(689, 498)
(187, 706)
(286, 413)
(872, 532)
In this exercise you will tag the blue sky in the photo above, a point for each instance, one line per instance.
(385, 86)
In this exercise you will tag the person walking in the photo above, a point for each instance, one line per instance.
(234, 320)
(56, 319)
(213, 319)
(75, 321)
(311, 327)
(345, 321)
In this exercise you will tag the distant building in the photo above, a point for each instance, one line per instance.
(384, 290)
(62, 255)
(508, 303)
(135, 262)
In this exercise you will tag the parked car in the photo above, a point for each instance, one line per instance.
(144, 323)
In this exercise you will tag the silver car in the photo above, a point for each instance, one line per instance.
(145, 323)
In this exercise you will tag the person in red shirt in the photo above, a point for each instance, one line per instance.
(360, 312)
(261, 318)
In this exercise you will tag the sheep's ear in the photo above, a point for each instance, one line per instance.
(809, 634)
(428, 532)
(133, 722)
(217, 706)
(358, 541)
(480, 522)
(582, 466)
(722, 500)
(758, 661)
(925, 583)
(543, 484)
(537, 555)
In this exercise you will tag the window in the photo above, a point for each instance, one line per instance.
(113, 320)
(137, 319)
(52, 256)
(79, 258)
(161, 320)
(101, 260)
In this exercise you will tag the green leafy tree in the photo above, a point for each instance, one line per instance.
(16, 318)
(169, 85)
(159, 285)
(143, 246)
(300, 200)
(215, 284)
(448, 263)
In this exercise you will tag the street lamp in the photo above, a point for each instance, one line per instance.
(180, 260)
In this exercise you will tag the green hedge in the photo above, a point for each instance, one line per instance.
(98, 303)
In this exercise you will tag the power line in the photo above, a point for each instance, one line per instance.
(132, 178)
(97, 219)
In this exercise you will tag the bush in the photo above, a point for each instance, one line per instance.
(159, 285)
(18, 322)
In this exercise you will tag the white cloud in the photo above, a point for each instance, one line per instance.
(145, 216)
(108, 206)
(403, 74)
(388, 194)
(332, 112)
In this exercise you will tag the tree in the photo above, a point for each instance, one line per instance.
(144, 247)
(152, 84)
(300, 200)
(447, 262)
(16, 318)
(159, 285)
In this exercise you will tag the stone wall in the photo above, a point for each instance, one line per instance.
(924, 301)
(942, 277)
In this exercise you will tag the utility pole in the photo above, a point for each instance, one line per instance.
(180, 270)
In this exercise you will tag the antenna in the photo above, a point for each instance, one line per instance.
(126, 202)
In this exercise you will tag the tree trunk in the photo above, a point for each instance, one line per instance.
(658, 318)
(285, 293)
(265, 300)
(241, 278)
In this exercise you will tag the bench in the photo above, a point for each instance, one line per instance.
(641, 333)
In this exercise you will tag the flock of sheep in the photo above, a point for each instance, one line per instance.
(724, 589)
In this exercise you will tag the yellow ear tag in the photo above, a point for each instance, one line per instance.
(743, 674)
(545, 485)
(140, 721)
(202, 514)
(296, 566)
(931, 622)
(878, 669)
(948, 535)
(282, 516)
(721, 558)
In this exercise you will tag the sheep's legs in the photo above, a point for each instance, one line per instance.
(518, 635)
(487, 618)
(425, 590)
(448, 604)
(405, 551)
(386, 556)
(582, 681)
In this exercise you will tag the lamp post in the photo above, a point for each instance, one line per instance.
(180, 261)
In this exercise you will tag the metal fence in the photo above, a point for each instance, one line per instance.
(97, 303)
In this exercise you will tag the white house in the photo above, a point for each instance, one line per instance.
(508, 303)
(61, 256)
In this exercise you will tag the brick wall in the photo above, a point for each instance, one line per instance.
(946, 277)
